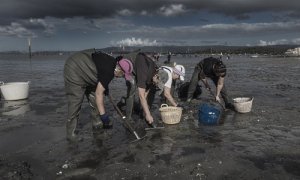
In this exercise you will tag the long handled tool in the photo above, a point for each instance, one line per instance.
(154, 127)
(124, 119)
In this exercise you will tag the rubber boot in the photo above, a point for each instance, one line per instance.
(71, 130)
(96, 121)
(97, 124)
(228, 105)
(129, 109)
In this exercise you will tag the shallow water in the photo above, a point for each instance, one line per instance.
(261, 144)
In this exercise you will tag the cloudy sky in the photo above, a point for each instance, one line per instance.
(80, 24)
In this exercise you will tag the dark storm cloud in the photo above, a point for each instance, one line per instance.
(151, 22)
(13, 10)
(240, 9)
(20, 9)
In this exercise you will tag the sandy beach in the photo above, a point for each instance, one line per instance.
(261, 144)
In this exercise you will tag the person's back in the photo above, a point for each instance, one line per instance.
(208, 66)
(144, 69)
(87, 70)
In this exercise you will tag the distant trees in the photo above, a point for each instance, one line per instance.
(270, 50)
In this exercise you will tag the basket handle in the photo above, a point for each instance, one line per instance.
(164, 105)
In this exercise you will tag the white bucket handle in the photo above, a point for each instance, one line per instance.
(164, 105)
(1, 83)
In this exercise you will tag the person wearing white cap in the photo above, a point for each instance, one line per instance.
(176, 72)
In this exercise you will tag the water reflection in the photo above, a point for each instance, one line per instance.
(15, 108)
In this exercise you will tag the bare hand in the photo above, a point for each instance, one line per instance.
(149, 119)
(218, 99)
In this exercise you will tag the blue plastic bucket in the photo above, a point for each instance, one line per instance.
(208, 114)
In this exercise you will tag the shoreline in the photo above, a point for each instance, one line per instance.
(261, 144)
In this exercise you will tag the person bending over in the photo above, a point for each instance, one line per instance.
(148, 78)
(88, 73)
(215, 70)
(174, 73)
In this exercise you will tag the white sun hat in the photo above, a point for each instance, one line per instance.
(180, 70)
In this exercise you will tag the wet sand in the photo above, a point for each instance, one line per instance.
(261, 144)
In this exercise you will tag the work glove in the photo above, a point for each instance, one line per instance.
(107, 124)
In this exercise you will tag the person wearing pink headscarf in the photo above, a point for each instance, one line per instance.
(126, 64)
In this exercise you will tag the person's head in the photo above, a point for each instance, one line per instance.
(179, 72)
(219, 69)
(160, 79)
(118, 71)
(127, 68)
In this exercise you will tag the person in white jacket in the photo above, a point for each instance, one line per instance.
(174, 73)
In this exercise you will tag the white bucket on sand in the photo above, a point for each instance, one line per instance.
(243, 104)
(15, 90)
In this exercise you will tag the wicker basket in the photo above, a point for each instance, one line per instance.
(170, 114)
(243, 104)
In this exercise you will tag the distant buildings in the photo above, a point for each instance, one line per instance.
(293, 52)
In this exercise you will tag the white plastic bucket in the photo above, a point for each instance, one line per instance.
(243, 104)
(15, 90)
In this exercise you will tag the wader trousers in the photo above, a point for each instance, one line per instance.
(131, 89)
(193, 82)
(80, 76)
